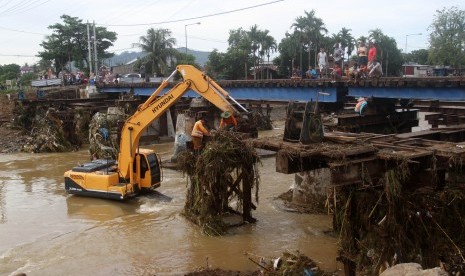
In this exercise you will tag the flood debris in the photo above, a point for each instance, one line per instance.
(45, 130)
(220, 182)
(221, 272)
(389, 222)
(262, 121)
(289, 263)
(103, 134)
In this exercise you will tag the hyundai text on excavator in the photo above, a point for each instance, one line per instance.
(138, 169)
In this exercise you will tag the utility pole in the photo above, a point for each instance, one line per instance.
(95, 53)
(185, 32)
(89, 49)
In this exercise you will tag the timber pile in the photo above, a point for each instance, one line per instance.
(393, 200)
(222, 173)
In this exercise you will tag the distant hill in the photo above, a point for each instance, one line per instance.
(125, 57)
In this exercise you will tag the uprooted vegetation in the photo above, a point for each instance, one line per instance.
(390, 222)
(223, 173)
(289, 263)
(45, 130)
(103, 135)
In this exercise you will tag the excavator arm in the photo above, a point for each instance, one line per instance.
(156, 105)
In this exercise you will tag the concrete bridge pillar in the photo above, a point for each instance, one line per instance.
(310, 187)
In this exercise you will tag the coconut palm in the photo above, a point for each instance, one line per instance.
(267, 46)
(255, 38)
(347, 40)
(310, 29)
(159, 47)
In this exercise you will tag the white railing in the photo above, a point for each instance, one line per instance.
(46, 82)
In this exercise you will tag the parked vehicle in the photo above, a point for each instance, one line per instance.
(132, 75)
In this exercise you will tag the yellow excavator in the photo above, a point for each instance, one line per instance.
(138, 169)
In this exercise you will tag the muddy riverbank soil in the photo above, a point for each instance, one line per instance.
(11, 140)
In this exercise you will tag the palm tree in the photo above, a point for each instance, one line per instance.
(310, 29)
(267, 46)
(347, 40)
(159, 46)
(255, 37)
(239, 41)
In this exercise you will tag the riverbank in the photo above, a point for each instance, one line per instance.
(11, 140)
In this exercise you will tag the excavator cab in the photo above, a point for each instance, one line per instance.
(150, 172)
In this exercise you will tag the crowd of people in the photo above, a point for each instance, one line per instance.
(366, 66)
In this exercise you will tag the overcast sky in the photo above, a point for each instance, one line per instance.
(24, 23)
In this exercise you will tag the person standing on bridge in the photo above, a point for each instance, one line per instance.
(338, 55)
(198, 132)
(371, 53)
(362, 54)
(322, 61)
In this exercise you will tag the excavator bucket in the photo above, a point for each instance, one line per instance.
(303, 123)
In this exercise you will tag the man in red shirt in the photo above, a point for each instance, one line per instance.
(371, 53)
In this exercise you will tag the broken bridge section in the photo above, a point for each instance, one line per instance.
(393, 197)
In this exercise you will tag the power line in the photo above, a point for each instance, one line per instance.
(20, 31)
(5, 55)
(190, 18)
(23, 6)
(33, 7)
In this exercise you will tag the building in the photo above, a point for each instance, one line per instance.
(417, 70)
(26, 69)
(124, 68)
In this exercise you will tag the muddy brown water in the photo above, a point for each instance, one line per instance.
(44, 231)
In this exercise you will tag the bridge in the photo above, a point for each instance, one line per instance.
(284, 90)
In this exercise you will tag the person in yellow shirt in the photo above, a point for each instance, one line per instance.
(198, 132)
(227, 121)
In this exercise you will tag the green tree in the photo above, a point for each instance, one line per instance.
(255, 37)
(69, 42)
(288, 49)
(310, 31)
(159, 47)
(27, 78)
(418, 56)
(268, 45)
(447, 37)
(237, 55)
(9, 72)
(347, 40)
(215, 66)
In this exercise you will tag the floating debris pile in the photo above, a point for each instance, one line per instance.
(45, 131)
(103, 134)
(289, 263)
(215, 176)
